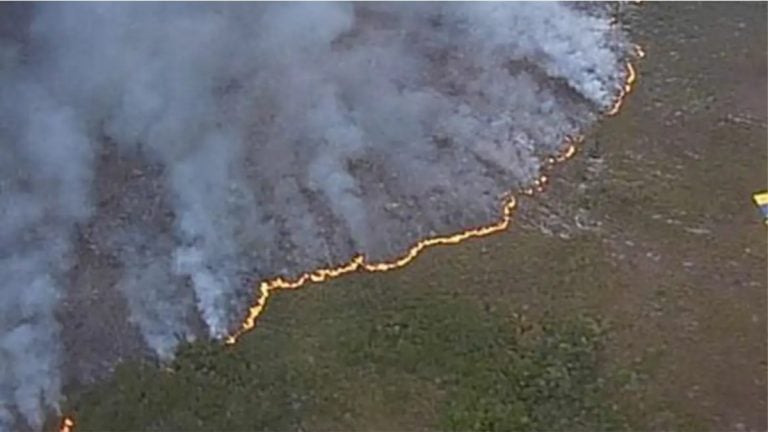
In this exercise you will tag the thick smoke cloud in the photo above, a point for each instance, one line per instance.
(44, 190)
(290, 136)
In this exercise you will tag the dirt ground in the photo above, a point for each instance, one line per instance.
(688, 242)
(668, 183)
(662, 194)
(651, 228)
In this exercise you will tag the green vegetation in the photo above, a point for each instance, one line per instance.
(550, 384)
(486, 372)
(492, 334)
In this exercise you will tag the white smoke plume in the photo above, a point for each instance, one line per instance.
(44, 186)
(290, 136)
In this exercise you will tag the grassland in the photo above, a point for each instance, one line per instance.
(650, 318)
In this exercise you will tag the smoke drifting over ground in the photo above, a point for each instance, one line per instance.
(168, 155)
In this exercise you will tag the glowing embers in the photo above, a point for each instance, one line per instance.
(358, 262)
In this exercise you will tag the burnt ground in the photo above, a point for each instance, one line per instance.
(651, 229)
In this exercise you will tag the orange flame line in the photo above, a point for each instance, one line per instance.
(629, 82)
(358, 262)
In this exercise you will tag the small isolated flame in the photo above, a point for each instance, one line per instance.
(639, 52)
(67, 424)
(629, 81)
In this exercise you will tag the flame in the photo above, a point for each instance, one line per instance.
(629, 81)
(359, 263)
(639, 52)
(67, 424)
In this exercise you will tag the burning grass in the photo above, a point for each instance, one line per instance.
(414, 349)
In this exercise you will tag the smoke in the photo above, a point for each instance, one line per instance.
(291, 136)
(44, 186)
(157, 306)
